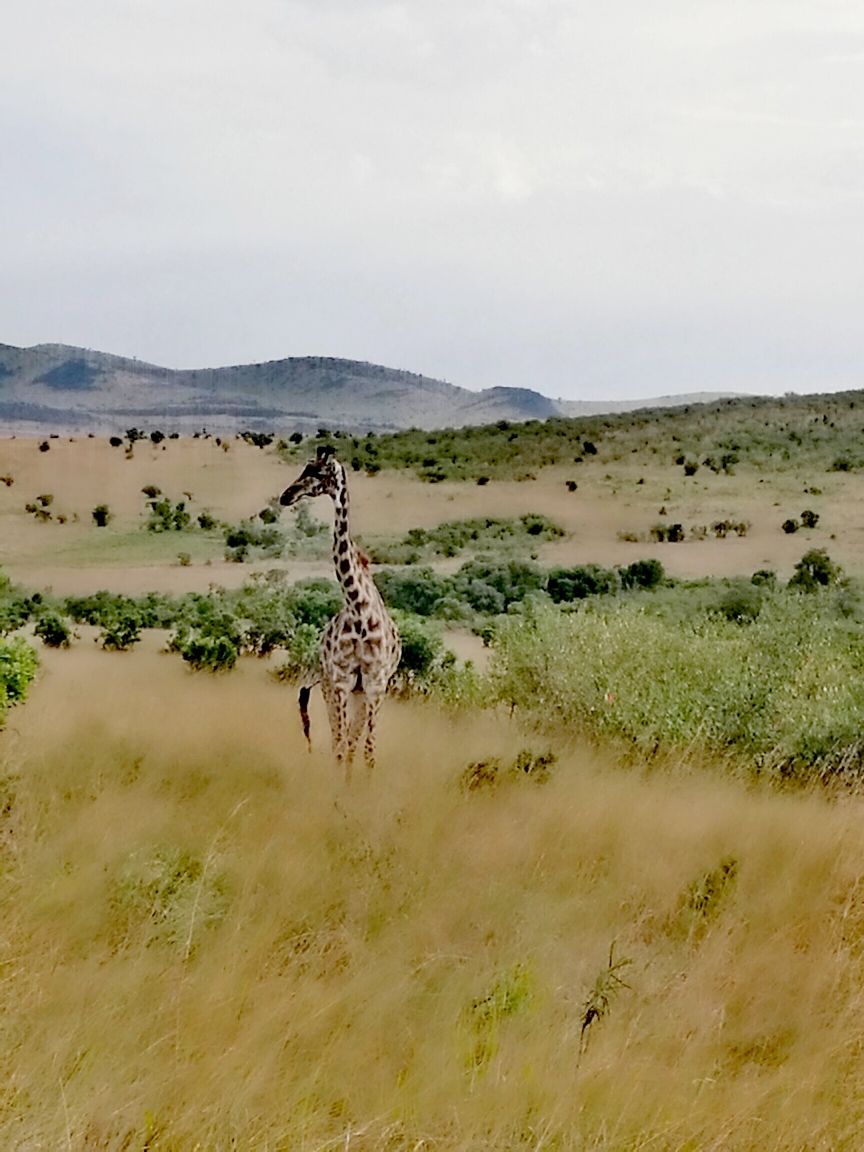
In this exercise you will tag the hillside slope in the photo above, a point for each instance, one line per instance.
(59, 387)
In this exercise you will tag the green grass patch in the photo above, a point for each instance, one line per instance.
(105, 546)
(783, 692)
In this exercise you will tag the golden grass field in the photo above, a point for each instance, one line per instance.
(209, 942)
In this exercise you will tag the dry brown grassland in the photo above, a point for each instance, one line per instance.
(76, 557)
(208, 942)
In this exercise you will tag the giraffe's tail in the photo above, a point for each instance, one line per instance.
(304, 714)
(305, 692)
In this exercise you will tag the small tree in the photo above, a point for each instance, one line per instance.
(101, 515)
(814, 570)
(643, 574)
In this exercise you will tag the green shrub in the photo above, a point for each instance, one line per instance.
(643, 574)
(314, 601)
(268, 541)
(764, 578)
(53, 631)
(568, 584)
(302, 654)
(15, 609)
(121, 630)
(490, 587)
(203, 652)
(258, 439)
(814, 570)
(425, 658)
(420, 591)
(168, 517)
(208, 635)
(741, 602)
(18, 666)
(98, 608)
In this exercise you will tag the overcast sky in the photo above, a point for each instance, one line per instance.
(617, 198)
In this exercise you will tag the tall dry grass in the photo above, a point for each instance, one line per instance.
(208, 942)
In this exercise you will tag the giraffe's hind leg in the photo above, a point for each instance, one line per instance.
(375, 694)
(336, 700)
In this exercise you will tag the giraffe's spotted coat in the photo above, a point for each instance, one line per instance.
(360, 648)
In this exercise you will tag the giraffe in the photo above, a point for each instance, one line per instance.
(360, 647)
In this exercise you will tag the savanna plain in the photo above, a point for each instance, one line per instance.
(605, 886)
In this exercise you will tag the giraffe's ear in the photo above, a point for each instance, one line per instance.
(325, 451)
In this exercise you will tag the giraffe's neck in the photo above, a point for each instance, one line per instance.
(341, 524)
(350, 573)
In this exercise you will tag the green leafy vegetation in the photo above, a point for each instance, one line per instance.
(768, 677)
(53, 630)
(820, 433)
(482, 534)
(166, 516)
(425, 658)
(18, 666)
(258, 538)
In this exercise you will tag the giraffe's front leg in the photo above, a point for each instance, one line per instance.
(355, 724)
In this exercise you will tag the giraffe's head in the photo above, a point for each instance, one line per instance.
(320, 477)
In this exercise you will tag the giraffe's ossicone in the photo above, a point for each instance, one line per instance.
(360, 647)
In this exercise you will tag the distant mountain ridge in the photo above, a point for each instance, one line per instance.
(63, 388)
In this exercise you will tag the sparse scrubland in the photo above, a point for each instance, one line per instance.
(603, 893)
(822, 432)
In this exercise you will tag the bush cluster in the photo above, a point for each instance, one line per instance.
(489, 587)
(480, 534)
(258, 538)
(767, 676)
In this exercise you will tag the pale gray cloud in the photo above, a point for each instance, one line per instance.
(624, 197)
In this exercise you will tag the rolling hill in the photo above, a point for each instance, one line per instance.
(58, 387)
